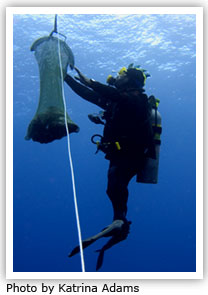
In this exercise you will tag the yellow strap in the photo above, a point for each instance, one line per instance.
(157, 101)
(122, 71)
(158, 125)
(157, 136)
(118, 145)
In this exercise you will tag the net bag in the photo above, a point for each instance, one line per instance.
(48, 123)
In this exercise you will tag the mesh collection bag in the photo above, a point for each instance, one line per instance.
(48, 123)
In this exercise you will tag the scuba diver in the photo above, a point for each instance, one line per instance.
(128, 139)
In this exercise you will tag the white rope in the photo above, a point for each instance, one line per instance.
(71, 164)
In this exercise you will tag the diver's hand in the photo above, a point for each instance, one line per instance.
(96, 118)
(84, 80)
(69, 79)
(78, 71)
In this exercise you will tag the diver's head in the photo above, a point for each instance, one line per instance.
(131, 77)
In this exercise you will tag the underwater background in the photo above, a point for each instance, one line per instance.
(163, 230)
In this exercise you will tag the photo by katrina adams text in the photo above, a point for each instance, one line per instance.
(72, 288)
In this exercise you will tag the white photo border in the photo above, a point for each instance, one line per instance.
(198, 11)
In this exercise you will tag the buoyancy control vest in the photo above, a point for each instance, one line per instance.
(133, 125)
(128, 125)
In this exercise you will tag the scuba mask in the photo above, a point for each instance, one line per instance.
(129, 77)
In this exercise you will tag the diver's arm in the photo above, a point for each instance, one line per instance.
(108, 92)
(85, 92)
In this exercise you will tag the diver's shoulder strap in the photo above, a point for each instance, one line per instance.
(153, 102)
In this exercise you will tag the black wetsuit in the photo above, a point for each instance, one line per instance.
(126, 123)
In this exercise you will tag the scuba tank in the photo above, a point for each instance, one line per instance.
(149, 173)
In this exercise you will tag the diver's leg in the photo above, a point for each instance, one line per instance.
(119, 175)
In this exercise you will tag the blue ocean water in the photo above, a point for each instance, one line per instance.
(163, 230)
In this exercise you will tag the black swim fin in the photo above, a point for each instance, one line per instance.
(108, 231)
(85, 244)
(116, 238)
